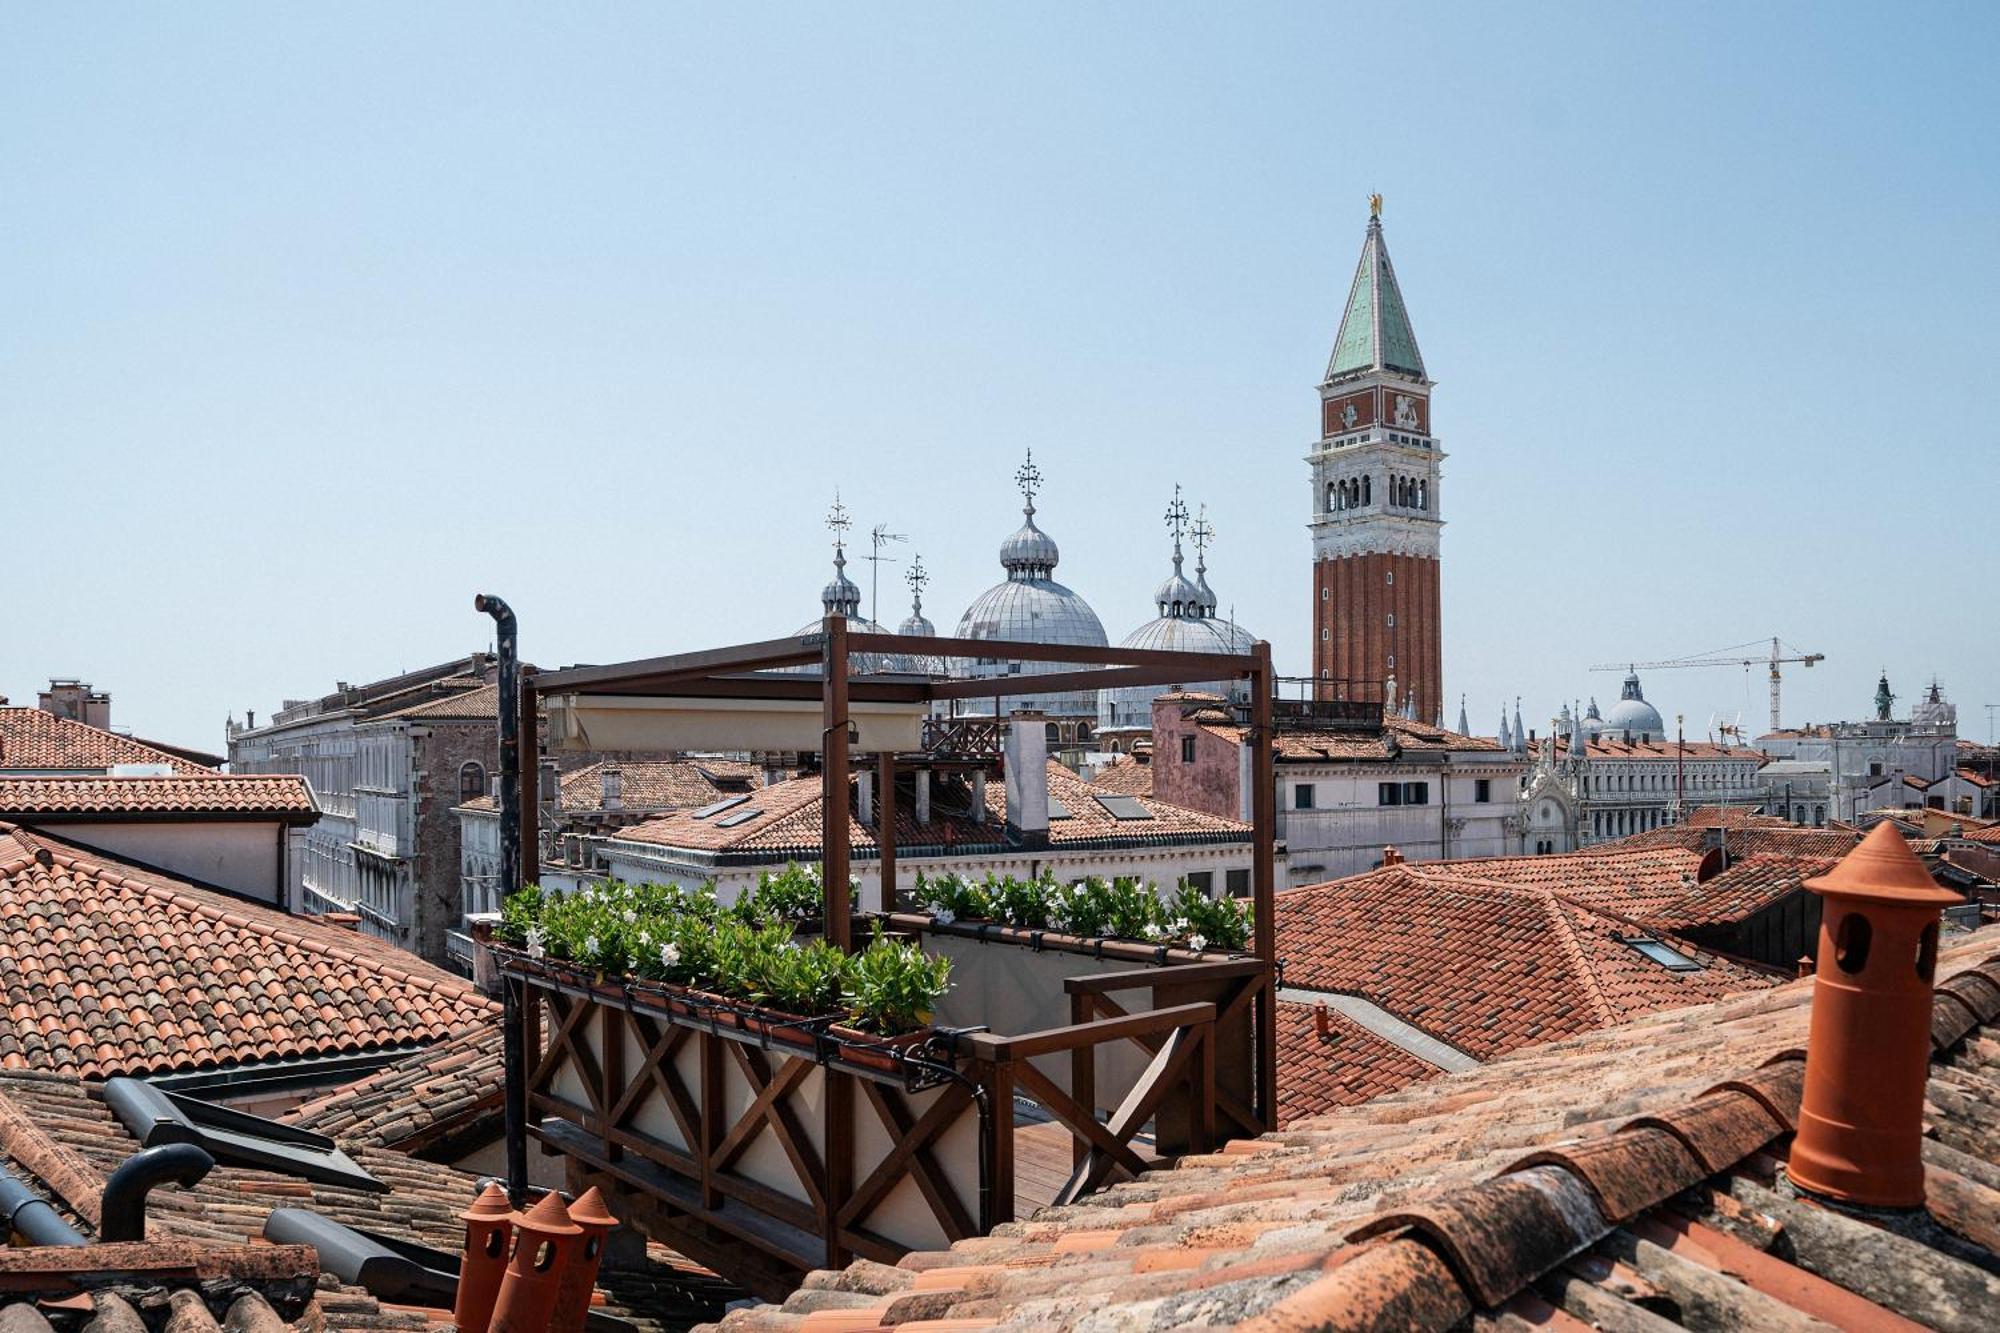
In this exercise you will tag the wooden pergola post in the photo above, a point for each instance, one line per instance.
(1264, 878)
(885, 826)
(834, 769)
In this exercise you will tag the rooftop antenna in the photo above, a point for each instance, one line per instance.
(878, 536)
(1989, 724)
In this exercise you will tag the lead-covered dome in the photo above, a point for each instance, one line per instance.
(1632, 718)
(1030, 606)
(840, 597)
(1186, 623)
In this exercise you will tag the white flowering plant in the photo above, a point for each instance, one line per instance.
(1093, 908)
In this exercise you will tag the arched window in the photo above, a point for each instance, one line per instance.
(1333, 496)
(1423, 495)
(471, 781)
(1054, 732)
(1366, 492)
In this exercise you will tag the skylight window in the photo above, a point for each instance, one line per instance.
(154, 1116)
(717, 807)
(1057, 810)
(740, 817)
(1671, 959)
(1124, 807)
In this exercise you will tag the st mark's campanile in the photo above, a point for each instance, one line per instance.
(1376, 521)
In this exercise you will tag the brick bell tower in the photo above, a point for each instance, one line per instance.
(1375, 523)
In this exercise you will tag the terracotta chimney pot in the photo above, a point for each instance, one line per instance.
(579, 1279)
(1868, 1048)
(488, 1230)
(1322, 1022)
(1391, 857)
(547, 1242)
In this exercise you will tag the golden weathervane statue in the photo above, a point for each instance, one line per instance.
(1374, 205)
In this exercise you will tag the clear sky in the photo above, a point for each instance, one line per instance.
(314, 324)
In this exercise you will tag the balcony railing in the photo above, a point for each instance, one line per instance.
(767, 1146)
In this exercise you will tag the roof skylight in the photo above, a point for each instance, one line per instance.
(1671, 959)
(740, 817)
(717, 807)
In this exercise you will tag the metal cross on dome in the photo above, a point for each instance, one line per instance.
(838, 522)
(1029, 478)
(1177, 515)
(1202, 532)
(917, 577)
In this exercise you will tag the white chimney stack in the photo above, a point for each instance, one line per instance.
(614, 787)
(1027, 763)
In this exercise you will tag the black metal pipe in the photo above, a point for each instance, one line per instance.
(28, 1215)
(124, 1211)
(514, 1103)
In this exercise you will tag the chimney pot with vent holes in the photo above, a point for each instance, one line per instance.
(1868, 1049)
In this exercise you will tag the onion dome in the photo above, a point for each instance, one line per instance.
(1030, 606)
(1632, 718)
(840, 597)
(916, 622)
(1186, 624)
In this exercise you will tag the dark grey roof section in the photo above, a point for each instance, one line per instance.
(1124, 807)
(154, 1117)
(1387, 1026)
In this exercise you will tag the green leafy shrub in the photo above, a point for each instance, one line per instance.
(796, 893)
(949, 897)
(893, 986)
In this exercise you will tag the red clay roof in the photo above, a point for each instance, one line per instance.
(115, 970)
(1312, 747)
(474, 704)
(789, 821)
(1125, 776)
(1530, 1188)
(202, 794)
(1484, 966)
(32, 740)
(650, 784)
(423, 1100)
(1348, 1066)
(57, 1134)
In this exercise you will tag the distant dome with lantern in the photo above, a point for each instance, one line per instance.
(1186, 623)
(1632, 718)
(1030, 606)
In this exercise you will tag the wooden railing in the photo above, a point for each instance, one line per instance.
(766, 1147)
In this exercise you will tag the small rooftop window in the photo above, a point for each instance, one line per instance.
(1124, 807)
(1057, 810)
(740, 817)
(717, 807)
(237, 1138)
(1671, 959)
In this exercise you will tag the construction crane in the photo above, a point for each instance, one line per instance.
(1774, 661)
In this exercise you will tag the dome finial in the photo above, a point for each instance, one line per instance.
(918, 578)
(1202, 534)
(1177, 597)
(1029, 478)
(1374, 207)
(840, 597)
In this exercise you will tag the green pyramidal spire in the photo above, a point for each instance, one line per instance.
(1375, 332)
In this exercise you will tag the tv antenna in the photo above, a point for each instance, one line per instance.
(878, 537)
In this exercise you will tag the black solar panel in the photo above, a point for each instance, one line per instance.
(1124, 807)
(717, 807)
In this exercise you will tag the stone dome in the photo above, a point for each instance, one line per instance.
(1030, 606)
(1632, 716)
(1593, 722)
(1186, 624)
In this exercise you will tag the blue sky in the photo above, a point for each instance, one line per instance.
(316, 323)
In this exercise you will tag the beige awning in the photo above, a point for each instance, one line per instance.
(633, 722)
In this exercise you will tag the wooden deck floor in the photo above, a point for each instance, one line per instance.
(1042, 1163)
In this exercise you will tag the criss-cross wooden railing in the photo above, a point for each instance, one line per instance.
(765, 1149)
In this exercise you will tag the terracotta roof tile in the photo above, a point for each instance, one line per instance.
(419, 1101)
(650, 784)
(32, 740)
(1125, 776)
(789, 821)
(201, 793)
(475, 703)
(115, 970)
(1348, 1066)
(1485, 966)
(1480, 1190)
(421, 1204)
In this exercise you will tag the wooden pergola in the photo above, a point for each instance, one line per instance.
(598, 1067)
